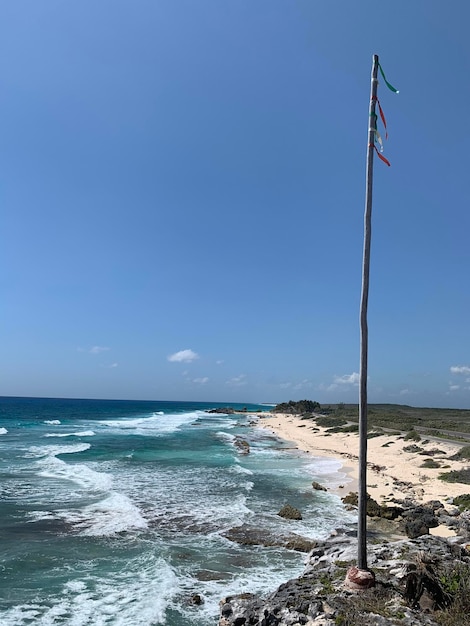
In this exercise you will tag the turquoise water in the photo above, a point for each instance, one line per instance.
(114, 512)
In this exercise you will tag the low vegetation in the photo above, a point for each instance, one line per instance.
(463, 502)
(328, 421)
(455, 580)
(462, 455)
(412, 435)
(350, 428)
(449, 583)
(457, 476)
(443, 423)
(430, 464)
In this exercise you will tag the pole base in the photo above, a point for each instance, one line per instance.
(359, 579)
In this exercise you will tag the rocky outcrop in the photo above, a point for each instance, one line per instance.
(242, 445)
(408, 587)
(413, 520)
(417, 520)
(317, 486)
(290, 512)
(414, 577)
(250, 536)
(373, 508)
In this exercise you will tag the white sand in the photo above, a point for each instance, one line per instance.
(392, 472)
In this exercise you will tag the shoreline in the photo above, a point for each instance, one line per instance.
(393, 473)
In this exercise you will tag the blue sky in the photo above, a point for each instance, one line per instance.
(182, 190)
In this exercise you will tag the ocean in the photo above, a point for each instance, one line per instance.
(114, 512)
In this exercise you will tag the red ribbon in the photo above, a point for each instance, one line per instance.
(381, 115)
(381, 157)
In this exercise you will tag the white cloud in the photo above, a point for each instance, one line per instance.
(219, 362)
(201, 381)
(460, 369)
(237, 381)
(285, 385)
(340, 383)
(98, 349)
(404, 392)
(454, 387)
(94, 349)
(347, 379)
(111, 365)
(183, 356)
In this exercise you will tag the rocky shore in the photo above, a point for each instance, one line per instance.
(418, 540)
(420, 579)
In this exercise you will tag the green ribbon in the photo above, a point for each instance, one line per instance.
(391, 87)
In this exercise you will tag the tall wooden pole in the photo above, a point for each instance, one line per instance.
(362, 504)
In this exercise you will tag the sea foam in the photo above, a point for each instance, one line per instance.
(39, 451)
(84, 433)
(79, 473)
(114, 514)
(154, 425)
(138, 594)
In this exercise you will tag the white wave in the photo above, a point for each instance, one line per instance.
(40, 451)
(225, 436)
(52, 422)
(136, 594)
(324, 465)
(115, 514)
(84, 433)
(37, 516)
(155, 424)
(270, 571)
(214, 422)
(159, 413)
(79, 473)
(328, 471)
(3, 431)
(233, 513)
(239, 469)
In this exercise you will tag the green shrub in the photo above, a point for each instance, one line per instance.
(330, 422)
(455, 580)
(462, 455)
(352, 428)
(430, 464)
(301, 406)
(463, 501)
(412, 435)
(457, 476)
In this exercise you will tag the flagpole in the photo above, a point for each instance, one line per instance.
(360, 576)
(362, 522)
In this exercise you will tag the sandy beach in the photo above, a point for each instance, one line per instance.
(393, 473)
